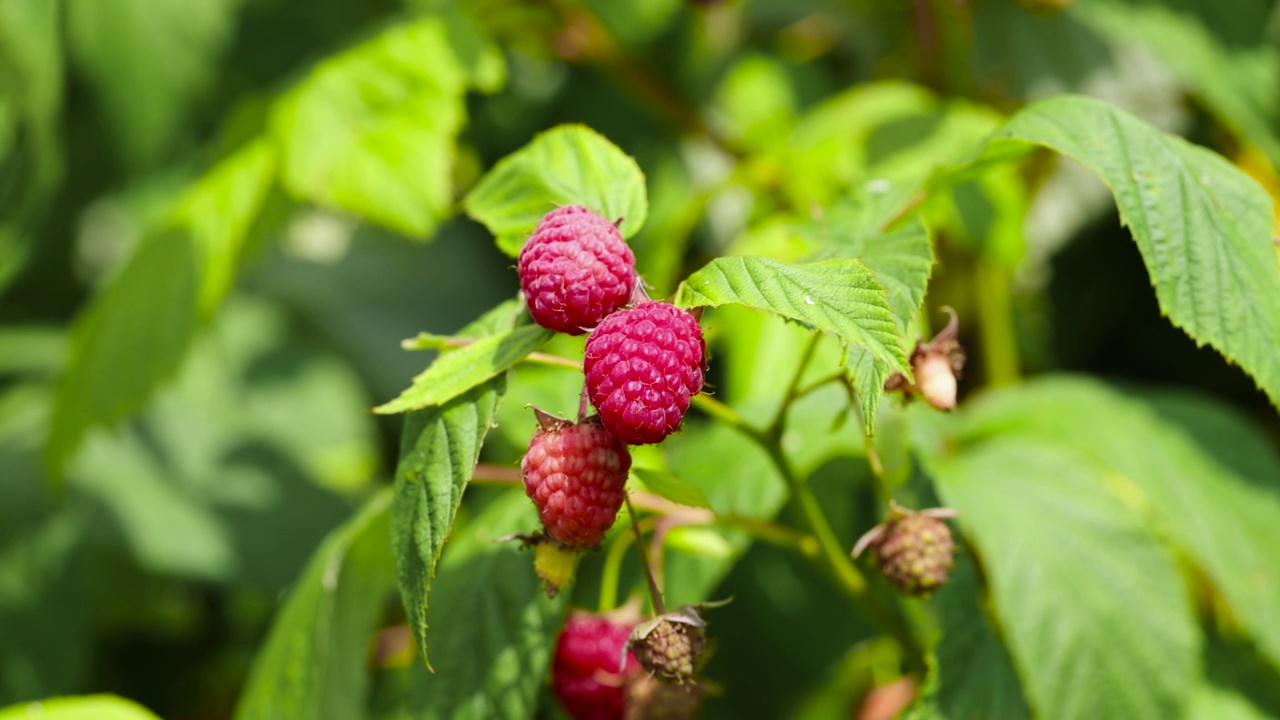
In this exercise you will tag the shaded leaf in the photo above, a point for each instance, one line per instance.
(438, 453)
(131, 338)
(371, 131)
(493, 630)
(457, 371)
(571, 164)
(313, 664)
(1228, 525)
(149, 61)
(1093, 631)
(668, 486)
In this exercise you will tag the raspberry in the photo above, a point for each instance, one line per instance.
(671, 649)
(585, 673)
(642, 366)
(914, 550)
(575, 475)
(575, 269)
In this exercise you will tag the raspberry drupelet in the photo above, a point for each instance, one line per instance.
(575, 269)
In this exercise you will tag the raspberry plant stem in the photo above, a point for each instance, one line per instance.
(995, 317)
(654, 594)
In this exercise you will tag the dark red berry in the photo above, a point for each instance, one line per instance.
(575, 269)
(575, 475)
(642, 366)
(585, 673)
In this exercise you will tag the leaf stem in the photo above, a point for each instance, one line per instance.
(995, 312)
(775, 427)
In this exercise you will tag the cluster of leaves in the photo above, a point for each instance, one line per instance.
(1117, 542)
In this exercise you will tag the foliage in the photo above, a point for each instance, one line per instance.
(221, 219)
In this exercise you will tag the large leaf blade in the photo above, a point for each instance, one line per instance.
(570, 164)
(438, 453)
(1093, 632)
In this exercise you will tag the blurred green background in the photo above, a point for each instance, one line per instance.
(192, 472)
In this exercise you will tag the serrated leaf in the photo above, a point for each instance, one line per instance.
(457, 371)
(1229, 525)
(219, 210)
(668, 486)
(1093, 606)
(975, 677)
(1204, 228)
(570, 164)
(86, 707)
(438, 453)
(839, 296)
(313, 666)
(371, 131)
(131, 338)
(494, 627)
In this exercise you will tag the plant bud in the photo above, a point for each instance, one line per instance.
(936, 381)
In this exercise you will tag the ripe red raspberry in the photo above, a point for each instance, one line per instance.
(585, 673)
(575, 269)
(575, 475)
(642, 366)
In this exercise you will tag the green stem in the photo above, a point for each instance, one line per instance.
(775, 427)
(995, 314)
(611, 573)
(654, 595)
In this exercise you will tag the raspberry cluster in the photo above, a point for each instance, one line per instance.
(644, 361)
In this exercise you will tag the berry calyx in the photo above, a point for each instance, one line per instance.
(585, 672)
(575, 269)
(913, 550)
(575, 474)
(642, 366)
(937, 367)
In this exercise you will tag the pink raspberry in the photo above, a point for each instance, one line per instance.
(585, 673)
(575, 475)
(642, 366)
(575, 269)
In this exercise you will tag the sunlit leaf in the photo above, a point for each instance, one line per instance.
(569, 165)
(371, 131)
(87, 707)
(457, 371)
(840, 297)
(666, 485)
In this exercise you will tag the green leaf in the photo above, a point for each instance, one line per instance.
(371, 131)
(975, 677)
(1204, 227)
(87, 707)
(438, 453)
(131, 338)
(457, 371)
(1225, 58)
(666, 485)
(219, 210)
(840, 297)
(493, 632)
(1094, 608)
(570, 164)
(313, 664)
(1227, 524)
(149, 61)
